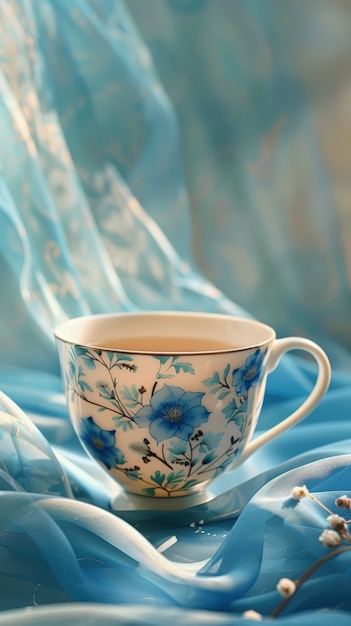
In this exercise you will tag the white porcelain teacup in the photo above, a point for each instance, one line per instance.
(167, 401)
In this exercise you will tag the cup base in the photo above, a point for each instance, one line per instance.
(127, 501)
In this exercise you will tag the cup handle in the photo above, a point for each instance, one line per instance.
(280, 347)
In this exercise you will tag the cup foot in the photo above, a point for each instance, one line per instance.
(132, 502)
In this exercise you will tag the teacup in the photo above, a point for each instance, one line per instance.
(167, 401)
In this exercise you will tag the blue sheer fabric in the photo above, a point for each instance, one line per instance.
(172, 154)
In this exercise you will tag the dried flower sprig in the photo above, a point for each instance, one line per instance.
(344, 502)
(253, 615)
(286, 587)
(331, 537)
(297, 493)
(337, 523)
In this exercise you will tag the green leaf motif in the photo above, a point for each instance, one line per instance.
(107, 393)
(229, 410)
(223, 395)
(162, 359)
(182, 365)
(122, 362)
(210, 441)
(178, 447)
(123, 357)
(158, 477)
(216, 389)
(240, 419)
(131, 395)
(87, 357)
(237, 414)
(149, 491)
(110, 356)
(83, 385)
(175, 477)
(210, 382)
(89, 361)
(226, 372)
(70, 373)
(133, 474)
(208, 458)
(123, 423)
(189, 483)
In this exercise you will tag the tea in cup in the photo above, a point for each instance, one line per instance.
(168, 401)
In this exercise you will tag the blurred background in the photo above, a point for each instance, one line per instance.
(169, 154)
(262, 96)
(175, 154)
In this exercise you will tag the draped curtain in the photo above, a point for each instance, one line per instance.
(185, 155)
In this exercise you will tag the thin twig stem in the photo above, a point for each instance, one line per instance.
(311, 570)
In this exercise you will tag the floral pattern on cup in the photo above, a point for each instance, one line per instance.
(166, 425)
(249, 374)
(172, 412)
(101, 443)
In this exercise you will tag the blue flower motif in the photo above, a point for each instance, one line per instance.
(101, 443)
(249, 374)
(210, 441)
(173, 412)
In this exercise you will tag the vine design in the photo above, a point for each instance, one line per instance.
(178, 441)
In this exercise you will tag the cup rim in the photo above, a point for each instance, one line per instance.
(63, 329)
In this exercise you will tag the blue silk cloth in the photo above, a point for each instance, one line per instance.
(172, 154)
